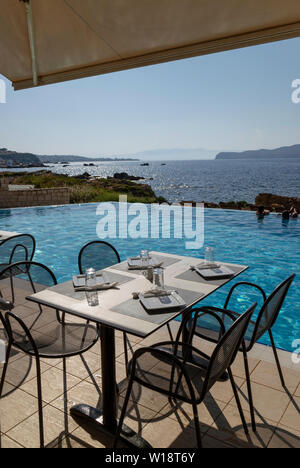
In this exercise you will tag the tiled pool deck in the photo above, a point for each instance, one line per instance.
(163, 426)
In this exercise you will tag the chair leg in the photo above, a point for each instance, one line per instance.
(123, 413)
(126, 352)
(277, 359)
(40, 402)
(197, 426)
(249, 388)
(170, 332)
(8, 351)
(238, 402)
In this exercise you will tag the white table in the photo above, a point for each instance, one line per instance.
(119, 311)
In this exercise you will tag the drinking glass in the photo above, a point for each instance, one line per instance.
(144, 257)
(90, 281)
(158, 279)
(209, 255)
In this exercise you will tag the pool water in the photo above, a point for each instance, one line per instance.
(269, 247)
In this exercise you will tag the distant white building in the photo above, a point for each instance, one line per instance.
(2, 163)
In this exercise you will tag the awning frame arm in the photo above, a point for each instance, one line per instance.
(31, 35)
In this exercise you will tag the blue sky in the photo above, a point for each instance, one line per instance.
(234, 100)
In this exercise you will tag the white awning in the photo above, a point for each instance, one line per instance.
(49, 41)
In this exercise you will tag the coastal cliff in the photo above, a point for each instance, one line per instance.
(277, 153)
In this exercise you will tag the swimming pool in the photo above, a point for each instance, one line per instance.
(270, 248)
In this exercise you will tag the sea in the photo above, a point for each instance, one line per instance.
(204, 180)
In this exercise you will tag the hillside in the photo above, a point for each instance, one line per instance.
(19, 158)
(278, 153)
(38, 160)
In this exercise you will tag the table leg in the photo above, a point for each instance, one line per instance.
(105, 421)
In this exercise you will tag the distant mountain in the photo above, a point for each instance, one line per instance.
(278, 153)
(176, 153)
(69, 158)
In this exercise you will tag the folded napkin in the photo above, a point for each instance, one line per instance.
(79, 280)
(205, 266)
(152, 293)
(97, 287)
(140, 266)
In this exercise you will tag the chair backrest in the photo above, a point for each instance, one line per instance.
(271, 308)
(34, 277)
(97, 255)
(227, 349)
(16, 249)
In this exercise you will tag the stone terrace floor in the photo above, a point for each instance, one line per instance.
(163, 426)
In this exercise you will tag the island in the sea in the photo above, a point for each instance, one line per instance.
(289, 152)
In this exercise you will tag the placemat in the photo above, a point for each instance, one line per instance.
(67, 289)
(190, 275)
(168, 261)
(134, 308)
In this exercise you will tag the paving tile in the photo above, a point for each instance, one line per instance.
(146, 397)
(82, 366)
(51, 362)
(284, 437)
(133, 339)
(137, 416)
(228, 428)
(53, 384)
(82, 438)
(267, 374)
(120, 350)
(211, 443)
(24, 311)
(16, 407)
(291, 417)
(238, 367)
(96, 377)
(297, 392)
(208, 412)
(267, 402)
(7, 443)
(83, 392)
(222, 391)
(168, 433)
(23, 370)
(56, 426)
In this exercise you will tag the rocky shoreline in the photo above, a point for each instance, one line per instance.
(271, 202)
(123, 183)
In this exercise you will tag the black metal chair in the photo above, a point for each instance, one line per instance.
(256, 329)
(100, 255)
(16, 249)
(56, 340)
(165, 368)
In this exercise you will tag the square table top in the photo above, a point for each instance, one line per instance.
(120, 311)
